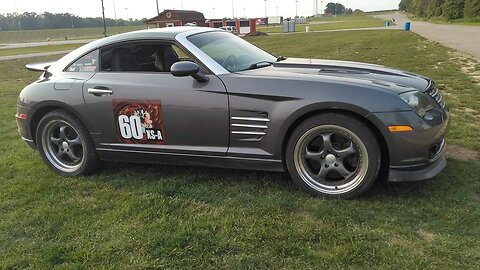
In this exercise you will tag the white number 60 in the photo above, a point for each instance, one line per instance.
(130, 127)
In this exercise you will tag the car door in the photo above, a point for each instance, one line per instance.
(140, 107)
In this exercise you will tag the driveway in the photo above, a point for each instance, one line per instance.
(460, 37)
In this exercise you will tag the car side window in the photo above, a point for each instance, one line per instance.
(141, 57)
(87, 63)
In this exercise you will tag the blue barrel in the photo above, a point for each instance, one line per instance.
(388, 24)
(407, 26)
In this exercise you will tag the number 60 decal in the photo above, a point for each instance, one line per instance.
(130, 127)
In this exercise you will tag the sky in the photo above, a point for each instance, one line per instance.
(219, 8)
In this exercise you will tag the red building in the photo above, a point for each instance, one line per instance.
(172, 17)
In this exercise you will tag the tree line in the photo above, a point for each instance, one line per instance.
(448, 9)
(46, 20)
(339, 9)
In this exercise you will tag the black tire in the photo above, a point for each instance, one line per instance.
(333, 155)
(65, 144)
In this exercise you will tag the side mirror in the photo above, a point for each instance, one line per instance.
(187, 68)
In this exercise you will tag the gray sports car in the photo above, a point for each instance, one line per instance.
(201, 96)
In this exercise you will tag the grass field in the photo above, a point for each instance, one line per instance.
(143, 216)
(39, 49)
(362, 17)
(464, 21)
(327, 26)
(60, 34)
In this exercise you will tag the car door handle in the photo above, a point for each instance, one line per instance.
(100, 92)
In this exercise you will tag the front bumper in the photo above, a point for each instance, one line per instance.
(419, 154)
(419, 173)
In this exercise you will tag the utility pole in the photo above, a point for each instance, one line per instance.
(181, 4)
(19, 18)
(158, 9)
(115, 14)
(266, 15)
(71, 16)
(233, 10)
(104, 22)
(277, 11)
(321, 7)
(296, 8)
(244, 13)
(213, 12)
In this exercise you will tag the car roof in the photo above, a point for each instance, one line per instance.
(168, 33)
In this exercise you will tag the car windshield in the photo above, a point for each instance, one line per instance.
(232, 52)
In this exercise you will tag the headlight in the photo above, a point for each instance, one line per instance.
(418, 101)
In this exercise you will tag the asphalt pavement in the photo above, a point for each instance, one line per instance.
(44, 43)
(29, 55)
(463, 38)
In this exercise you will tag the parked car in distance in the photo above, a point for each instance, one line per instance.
(201, 96)
(230, 29)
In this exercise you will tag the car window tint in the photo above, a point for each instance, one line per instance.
(141, 57)
(87, 63)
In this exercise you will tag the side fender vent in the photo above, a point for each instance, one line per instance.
(249, 128)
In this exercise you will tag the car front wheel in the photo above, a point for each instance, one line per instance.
(64, 144)
(333, 155)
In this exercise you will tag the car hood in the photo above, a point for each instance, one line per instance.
(393, 79)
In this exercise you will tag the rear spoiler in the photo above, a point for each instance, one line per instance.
(42, 67)
(39, 66)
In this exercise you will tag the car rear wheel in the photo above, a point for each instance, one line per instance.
(333, 155)
(64, 144)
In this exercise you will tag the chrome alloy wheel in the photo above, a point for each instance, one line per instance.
(63, 145)
(331, 159)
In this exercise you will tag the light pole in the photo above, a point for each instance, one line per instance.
(71, 16)
(266, 15)
(104, 23)
(233, 10)
(244, 13)
(115, 14)
(158, 9)
(321, 7)
(126, 12)
(296, 8)
(277, 11)
(18, 17)
(213, 12)
(181, 4)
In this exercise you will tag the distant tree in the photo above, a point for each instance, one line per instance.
(335, 9)
(348, 11)
(47, 20)
(405, 5)
(420, 7)
(358, 12)
(435, 8)
(472, 8)
(453, 9)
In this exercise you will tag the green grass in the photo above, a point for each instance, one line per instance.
(360, 17)
(39, 49)
(144, 216)
(464, 21)
(60, 34)
(328, 26)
